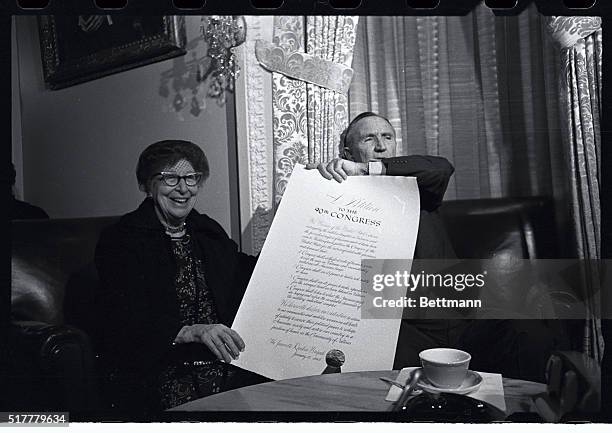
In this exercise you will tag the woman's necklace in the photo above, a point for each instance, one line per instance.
(174, 230)
(170, 230)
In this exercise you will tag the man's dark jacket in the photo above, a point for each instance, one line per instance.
(433, 174)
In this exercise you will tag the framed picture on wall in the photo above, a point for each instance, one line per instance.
(79, 48)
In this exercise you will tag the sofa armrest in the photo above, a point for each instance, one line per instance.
(51, 367)
(45, 341)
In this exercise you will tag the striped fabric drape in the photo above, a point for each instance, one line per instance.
(330, 38)
(479, 90)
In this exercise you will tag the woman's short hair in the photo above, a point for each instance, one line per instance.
(163, 154)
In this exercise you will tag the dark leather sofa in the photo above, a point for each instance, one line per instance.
(482, 229)
(53, 361)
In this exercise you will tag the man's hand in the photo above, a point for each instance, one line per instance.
(223, 342)
(339, 169)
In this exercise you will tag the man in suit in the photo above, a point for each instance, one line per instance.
(369, 148)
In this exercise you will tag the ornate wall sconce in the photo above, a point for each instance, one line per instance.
(222, 34)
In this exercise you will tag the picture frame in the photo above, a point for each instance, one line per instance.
(80, 48)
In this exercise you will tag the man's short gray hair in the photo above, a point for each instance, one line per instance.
(348, 130)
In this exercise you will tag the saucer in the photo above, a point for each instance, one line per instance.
(471, 383)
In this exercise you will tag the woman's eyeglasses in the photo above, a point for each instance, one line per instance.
(173, 179)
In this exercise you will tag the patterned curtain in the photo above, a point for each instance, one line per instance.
(291, 106)
(309, 118)
(581, 56)
(580, 42)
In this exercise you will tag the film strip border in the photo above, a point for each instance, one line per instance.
(302, 7)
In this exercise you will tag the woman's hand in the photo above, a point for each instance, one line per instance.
(223, 342)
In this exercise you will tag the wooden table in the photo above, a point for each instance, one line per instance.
(352, 392)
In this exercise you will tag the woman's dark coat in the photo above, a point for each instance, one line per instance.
(137, 298)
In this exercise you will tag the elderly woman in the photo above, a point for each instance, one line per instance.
(172, 281)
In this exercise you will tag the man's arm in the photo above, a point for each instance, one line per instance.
(432, 172)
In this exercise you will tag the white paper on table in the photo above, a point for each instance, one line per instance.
(491, 390)
(304, 297)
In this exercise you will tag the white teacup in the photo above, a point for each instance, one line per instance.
(445, 368)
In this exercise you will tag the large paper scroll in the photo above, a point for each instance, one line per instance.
(304, 298)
